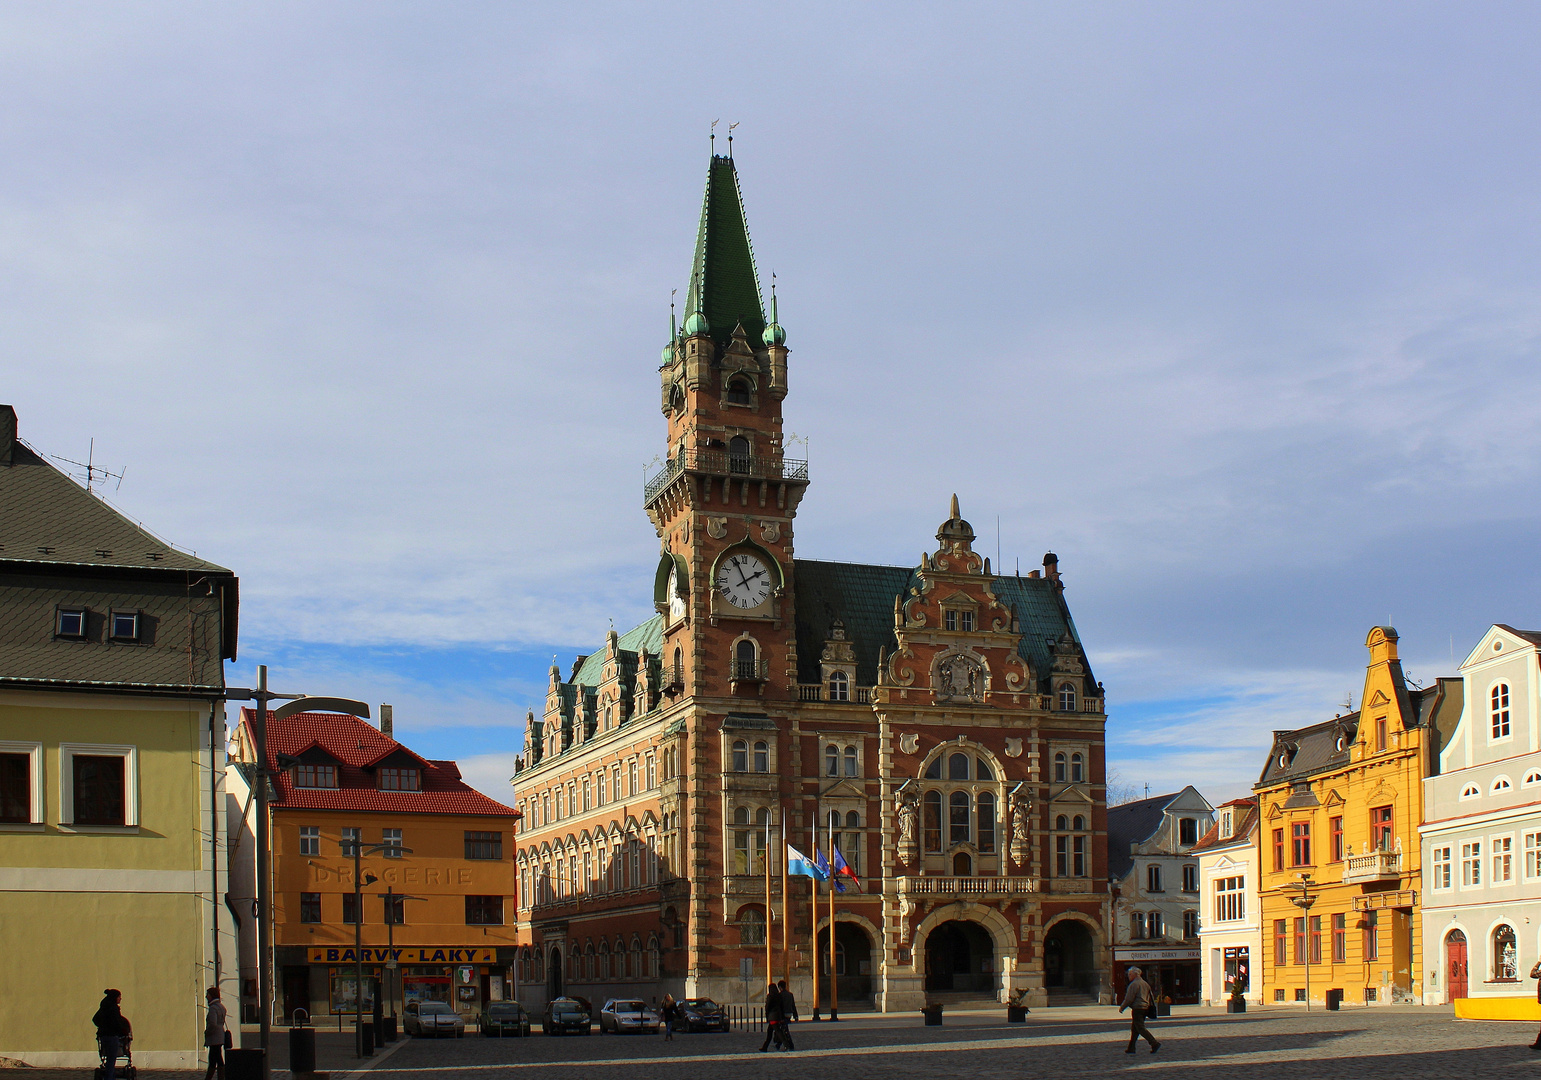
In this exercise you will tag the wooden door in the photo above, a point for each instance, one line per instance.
(1455, 966)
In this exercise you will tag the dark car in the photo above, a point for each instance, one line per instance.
(702, 1014)
(565, 1014)
(504, 1018)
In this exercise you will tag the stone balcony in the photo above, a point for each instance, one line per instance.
(1372, 867)
(953, 888)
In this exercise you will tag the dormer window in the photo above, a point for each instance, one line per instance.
(1066, 698)
(958, 620)
(125, 626)
(71, 623)
(1227, 826)
(1187, 831)
(400, 780)
(315, 776)
(839, 686)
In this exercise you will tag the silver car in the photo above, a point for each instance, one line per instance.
(435, 1018)
(623, 1017)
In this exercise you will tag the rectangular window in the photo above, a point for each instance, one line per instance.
(1153, 878)
(1230, 899)
(1532, 855)
(1471, 864)
(1503, 859)
(950, 619)
(615, 781)
(350, 908)
(350, 840)
(931, 831)
(631, 777)
(1190, 923)
(652, 772)
(958, 818)
(1187, 831)
(315, 776)
(1372, 935)
(1154, 926)
(1278, 849)
(1439, 872)
(16, 788)
(484, 911)
(310, 907)
(1190, 878)
(587, 804)
(400, 780)
(1380, 828)
(1340, 938)
(965, 620)
(71, 623)
(484, 845)
(1078, 856)
(1136, 925)
(1300, 843)
(1316, 939)
(604, 787)
(1062, 856)
(1300, 940)
(1281, 939)
(125, 626)
(391, 839)
(395, 909)
(1335, 830)
(1380, 734)
(310, 839)
(99, 795)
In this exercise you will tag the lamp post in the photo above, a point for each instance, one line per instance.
(1304, 901)
(390, 896)
(359, 882)
(295, 703)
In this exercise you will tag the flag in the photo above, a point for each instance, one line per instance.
(843, 869)
(823, 865)
(799, 865)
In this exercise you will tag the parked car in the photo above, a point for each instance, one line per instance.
(624, 1017)
(565, 1014)
(702, 1014)
(435, 1018)
(504, 1018)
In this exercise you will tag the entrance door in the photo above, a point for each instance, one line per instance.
(296, 990)
(554, 975)
(1455, 966)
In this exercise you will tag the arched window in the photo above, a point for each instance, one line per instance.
(1078, 823)
(738, 455)
(1061, 823)
(839, 686)
(738, 392)
(1498, 701)
(850, 761)
(985, 772)
(1532, 778)
(744, 660)
(1077, 769)
(636, 958)
(986, 815)
(1506, 961)
(958, 818)
(679, 667)
(957, 767)
(1470, 791)
(932, 828)
(751, 926)
(934, 770)
(1500, 784)
(962, 865)
(740, 756)
(604, 959)
(652, 957)
(761, 757)
(832, 760)
(1066, 698)
(1060, 775)
(588, 961)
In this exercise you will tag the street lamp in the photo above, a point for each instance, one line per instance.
(358, 932)
(296, 703)
(390, 896)
(1304, 902)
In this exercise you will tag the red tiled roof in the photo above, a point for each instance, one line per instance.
(358, 745)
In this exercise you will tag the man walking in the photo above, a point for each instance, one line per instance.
(1138, 999)
(772, 1015)
(214, 1035)
(788, 1013)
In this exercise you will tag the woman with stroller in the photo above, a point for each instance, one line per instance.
(111, 1030)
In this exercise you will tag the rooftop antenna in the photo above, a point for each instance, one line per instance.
(730, 136)
(93, 469)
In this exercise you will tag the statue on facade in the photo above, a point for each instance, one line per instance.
(908, 810)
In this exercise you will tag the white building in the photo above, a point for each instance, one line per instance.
(1230, 913)
(1482, 831)
(1154, 879)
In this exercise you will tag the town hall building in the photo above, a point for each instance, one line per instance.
(937, 724)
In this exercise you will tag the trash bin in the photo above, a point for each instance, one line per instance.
(390, 1029)
(243, 1064)
(933, 1015)
(302, 1050)
(366, 1038)
(1334, 1000)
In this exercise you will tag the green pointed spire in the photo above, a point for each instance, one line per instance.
(724, 285)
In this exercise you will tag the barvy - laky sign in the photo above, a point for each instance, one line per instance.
(425, 954)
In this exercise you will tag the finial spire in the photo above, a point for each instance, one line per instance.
(730, 136)
(674, 334)
(953, 515)
(713, 137)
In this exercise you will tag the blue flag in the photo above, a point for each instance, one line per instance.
(799, 865)
(823, 865)
(842, 869)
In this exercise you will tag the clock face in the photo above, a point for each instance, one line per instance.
(744, 580)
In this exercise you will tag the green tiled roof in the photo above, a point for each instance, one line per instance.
(1043, 619)
(724, 285)
(648, 636)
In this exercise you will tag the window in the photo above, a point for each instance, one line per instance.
(1471, 864)
(390, 839)
(1278, 849)
(931, 828)
(1532, 855)
(738, 454)
(761, 757)
(315, 776)
(1190, 878)
(652, 779)
(1470, 791)
(395, 909)
(1498, 711)
(839, 686)
(751, 927)
(1340, 938)
(350, 906)
(958, 818)
(1227, 824)
(484, 845)
(21, 794)
(1230, 899)
(1187, 831)
(631, 775)
(985, 806)
(615, 780)
(1300, 843)
(966, 621)
(1153, 925)
(1136, 925)
(310, 907)
(745, 664)
(587, 805)
(1500, 784)
(1439, 873)
(1532, 778)
(1078, 853)
(1380, 828)
(1335, 832)
(738, 394)
(1316, 939)
(850, 846)
(950, 620)
(70, 623)
(740, 758)
(350, 840)
(310, 839)
(1506, 961)
(832, 760)
(850, 761)
(958, 767)
(1380, 734)
(1077, 769)
(1280, 945)
(1503, 859)
(125, 626)
(484, 911)
(99, 794)
(1066, 698)
(1300, 939)
(1190, 924)
(1153, 878)
(1060, 773)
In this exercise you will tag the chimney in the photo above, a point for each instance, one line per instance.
(1051, 567)
(7, 433)
(387, 722)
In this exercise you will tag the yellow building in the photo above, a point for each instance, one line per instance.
(1341, 804)
(112, 740)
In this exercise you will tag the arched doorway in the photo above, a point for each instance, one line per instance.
(960, 958)
(853, 963)
(1455, 966)
(1069, 958)
(554, 974)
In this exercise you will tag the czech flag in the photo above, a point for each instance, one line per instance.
(843, 870)
(799, 865)
(824, 875)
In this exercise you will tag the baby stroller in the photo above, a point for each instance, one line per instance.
(125, 1070)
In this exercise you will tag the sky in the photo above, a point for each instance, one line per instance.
(1233, 307)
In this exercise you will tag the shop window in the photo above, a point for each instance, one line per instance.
(761, 757)
(310, 839)
(484, 911)
(310, 907)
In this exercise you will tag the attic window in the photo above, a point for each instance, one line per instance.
(71, 623)
(1532, 778)
(400, 780)
(1470, 791)
(125, 626)
(958, 620)
(1500, 784)
(738, 392)
(315, 776)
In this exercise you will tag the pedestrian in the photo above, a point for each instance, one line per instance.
(215, 1035)
(1138, 999)
(667, 1014)
(110, 1029)
(1535, 973)
(788, 1013)
(772, 1015)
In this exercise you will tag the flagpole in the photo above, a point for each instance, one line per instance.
(770, 969)
(834, 988)
(786, 910)
(813, 925)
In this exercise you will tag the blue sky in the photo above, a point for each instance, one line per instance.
(1234, 307)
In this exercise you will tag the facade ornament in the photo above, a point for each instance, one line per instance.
(771, 530)
(909, 742)
(909, 848)
(716, 527)
(905, 909)
(1013, 747)
(959, 678)
(1021, 830)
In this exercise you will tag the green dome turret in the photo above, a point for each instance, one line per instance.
(775, 335)
(695, 323)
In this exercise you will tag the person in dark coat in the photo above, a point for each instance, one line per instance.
(788, 1013)
(1535, 973)
(773, 1015)
(215, 1034)
(110, 1029)
(1138, 999)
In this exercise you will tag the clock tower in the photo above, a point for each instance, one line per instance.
(724, 501)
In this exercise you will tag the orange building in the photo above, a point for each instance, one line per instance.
(436, 861)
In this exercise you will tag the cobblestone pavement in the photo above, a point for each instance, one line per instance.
(1401, 1042)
